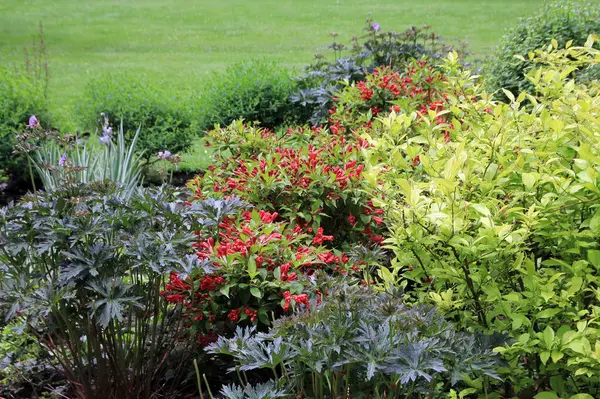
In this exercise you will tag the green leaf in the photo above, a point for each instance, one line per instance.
(252, 267)
(548, 337)
(594, 257)
(509, 95)
(225, 290)
(595, 224)
(255, 291)
(481, 209)
(529, 180)
(544, 356)
(576, 283)
(546, 395)
(581, 371)
(582, 396)
(556, 356)
(548, 313)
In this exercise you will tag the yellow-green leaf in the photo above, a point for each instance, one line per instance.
(546, 395)
(594, 257)
(529, 180)
(556, 356)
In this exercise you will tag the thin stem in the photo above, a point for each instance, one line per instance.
(198, 381)
(31, 174)
(208, 387)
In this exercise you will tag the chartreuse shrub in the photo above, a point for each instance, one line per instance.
(497, 222)
(361, 344)
(83, 270)
(164, 119)
(255, 90)
(563, 20)
(21, 95)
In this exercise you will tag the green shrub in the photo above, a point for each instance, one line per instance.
(323, 79)
(166, 123)
(256, 90)
(361, 344)
(82, 270)
(499, 224)
(562, 20)
(21, 95)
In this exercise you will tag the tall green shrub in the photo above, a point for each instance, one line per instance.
(253, 90)
(166, 122)
(21, 95)
(498, 222)
(563, 21)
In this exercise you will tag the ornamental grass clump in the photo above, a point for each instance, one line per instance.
(66, 159)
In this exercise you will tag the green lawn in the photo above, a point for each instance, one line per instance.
(180, 41)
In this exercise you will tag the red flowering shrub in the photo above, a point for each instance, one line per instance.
(312, 177)
(260, 268)
(419, 89)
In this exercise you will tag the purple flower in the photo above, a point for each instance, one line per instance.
(33, 122)
(375, 26)
(105, 139)
(164, 154)
(63, 159)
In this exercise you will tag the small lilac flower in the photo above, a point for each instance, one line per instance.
(3, 186)
(105, 139)
(375, 27)
(164, 154)
(63, 159)
(33, 122)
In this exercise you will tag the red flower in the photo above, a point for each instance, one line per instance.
(301, 299)
(320, 238)
(377, 239)
(352, 220)
(210, 283)
(234, 315)
(175, 298)
(415, 162)
(287, 298)
(251, 313)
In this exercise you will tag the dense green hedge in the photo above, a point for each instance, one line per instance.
(254, 90)
(21, 96)
(166, 121)
(561, 20)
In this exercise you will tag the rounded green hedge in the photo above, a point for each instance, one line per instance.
(255, 90)
(561, 20)
(165, 120)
